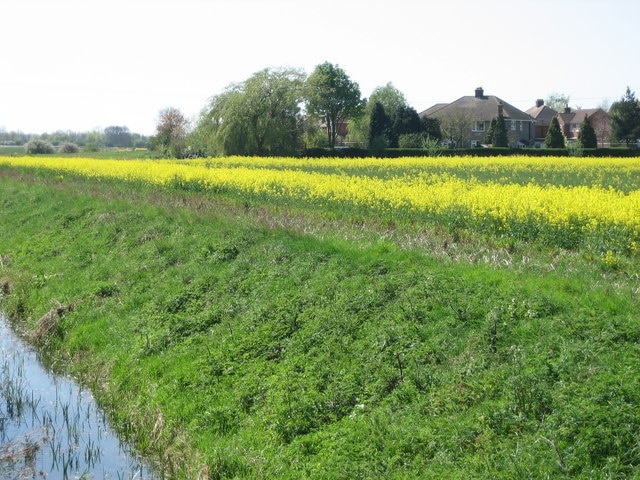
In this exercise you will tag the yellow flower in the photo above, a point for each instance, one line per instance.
(568, 194)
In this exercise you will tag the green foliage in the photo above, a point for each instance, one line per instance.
(557, 101)
(431, 127)
(405, 121)
(412, 140)
(625, 118)
(488, 136)
(333, 97)
(117, 136)
(94, 140)
(234, 348)
(391, 99)
(171, 133)
(401, 119)
(378, 124)
(260, 116)
(432, 146)
(587, 135)
(554, 137)
(500, 138)
(68, 147)
(39, 147)
(575, 149)
(377, 145)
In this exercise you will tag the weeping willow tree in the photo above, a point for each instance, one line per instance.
(260, 116)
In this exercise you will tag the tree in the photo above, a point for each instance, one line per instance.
(94, 141)
(488, 136)
(389, 97)
(557, 101)
(271, 109)
(219, 131)
(171, 132)
(391, 100)
(378, 126)
(333, 97)
(500, 137)
(68, 147)
(260, 116)
(456, 127)
(38, 146)
(431, 128)
(554, 137)
(405, 121)
(625, 118)
(587, 135)
(602, 126)
(116, 136)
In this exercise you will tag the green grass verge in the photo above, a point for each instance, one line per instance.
(229, 349)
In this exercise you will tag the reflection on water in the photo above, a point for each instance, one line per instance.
(50, 428)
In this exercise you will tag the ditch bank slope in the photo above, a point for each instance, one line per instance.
(227, 350)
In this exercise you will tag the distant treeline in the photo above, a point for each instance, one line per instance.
(114, 136)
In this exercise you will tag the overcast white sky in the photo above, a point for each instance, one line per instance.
(82, 65)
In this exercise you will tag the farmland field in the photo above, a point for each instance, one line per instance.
(563, 201)
(341, 318)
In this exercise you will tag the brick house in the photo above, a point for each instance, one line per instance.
(542, 114)
(570, 121)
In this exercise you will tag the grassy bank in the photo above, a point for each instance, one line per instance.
(230, 347)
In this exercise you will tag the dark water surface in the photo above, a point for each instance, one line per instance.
(50, 428)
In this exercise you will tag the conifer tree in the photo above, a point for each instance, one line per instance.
(587, 135)
(488, 137)
(379, 121)
(554, 138)
(625, 118)
(378, 125)
(500, 138)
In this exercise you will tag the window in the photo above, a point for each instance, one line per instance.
(479, 126)
(513, 125)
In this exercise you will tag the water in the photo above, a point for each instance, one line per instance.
(50, 428)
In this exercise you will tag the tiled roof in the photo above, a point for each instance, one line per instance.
(576, 116)
(478, 108)
(543, 114)
(431, 110)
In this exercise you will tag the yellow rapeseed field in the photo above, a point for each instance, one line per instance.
(551, 191)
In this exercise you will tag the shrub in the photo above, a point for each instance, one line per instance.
(92, 147)
(378, 144)
(412, 140)
(69, 147)
(35, 147)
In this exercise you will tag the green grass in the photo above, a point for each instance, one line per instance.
(229, 344)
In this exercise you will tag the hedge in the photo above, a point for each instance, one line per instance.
(474, 152)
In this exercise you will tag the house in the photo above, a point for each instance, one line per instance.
(465, 122)
(542, 115)
(571, 120)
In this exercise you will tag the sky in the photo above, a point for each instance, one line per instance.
(84, 65)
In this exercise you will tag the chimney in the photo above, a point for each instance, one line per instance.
(539, 102)
(500, 109)
(567, 110)
(479, 92)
